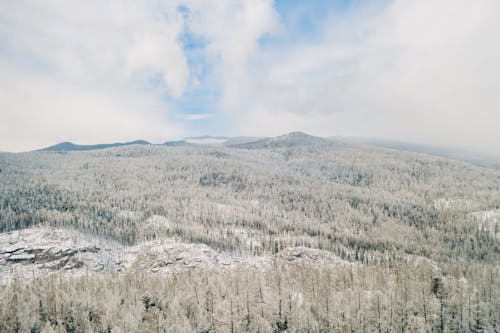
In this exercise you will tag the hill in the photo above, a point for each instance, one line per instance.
(293, 139)
(68, 146)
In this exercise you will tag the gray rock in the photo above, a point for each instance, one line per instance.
(23, 257)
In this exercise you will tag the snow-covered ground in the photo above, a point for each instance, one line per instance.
(39, 251)
(206, 141)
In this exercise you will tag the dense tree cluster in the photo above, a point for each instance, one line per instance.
(411, 225)
(357, 202)
(291, 298)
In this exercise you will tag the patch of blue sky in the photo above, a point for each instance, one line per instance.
(216, 125)
(198, 111)
(198, 101)
(303, 21)
(198, 108)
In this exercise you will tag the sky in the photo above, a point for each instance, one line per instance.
(91, 71)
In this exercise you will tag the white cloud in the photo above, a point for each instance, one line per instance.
(94, 71)
(38, 111)
(423, 71)
(232, 30)
(88, 71)
(95, 41)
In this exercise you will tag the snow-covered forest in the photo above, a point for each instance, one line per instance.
(351, 237)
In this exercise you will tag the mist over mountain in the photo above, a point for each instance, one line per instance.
(300, 139)
(480, 159)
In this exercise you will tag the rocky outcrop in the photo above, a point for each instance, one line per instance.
(315, 256)
(40, 251)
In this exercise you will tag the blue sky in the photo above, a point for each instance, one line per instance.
(300, 22)
(91, 71)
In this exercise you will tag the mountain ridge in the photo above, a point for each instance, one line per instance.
(292, 139)
(69, 146)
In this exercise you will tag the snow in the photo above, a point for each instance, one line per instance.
(206, 141)
(40, 251)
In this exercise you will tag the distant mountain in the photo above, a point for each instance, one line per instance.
(68, 146)
(483, 160)
(238, 140)
(178, 143)
(191, 141)
(207, 140)
(292, 139)
(295, 139)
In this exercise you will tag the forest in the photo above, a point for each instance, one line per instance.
(415, 236)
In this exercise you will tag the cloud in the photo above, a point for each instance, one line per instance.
(421, 71)
(38, 111)
(198, 116)
(232, 31)
(94, 71)
(92, 41)
(88, 71)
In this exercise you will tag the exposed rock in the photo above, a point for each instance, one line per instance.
(23, 257)
(10, 249)
(298, 254)
(39, 251)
